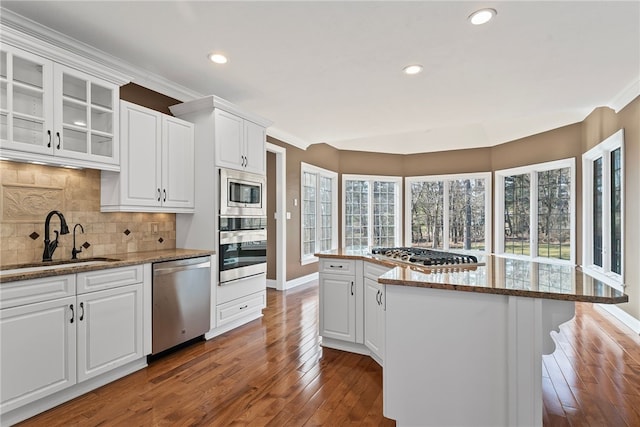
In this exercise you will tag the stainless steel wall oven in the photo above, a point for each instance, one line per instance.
(243, 248)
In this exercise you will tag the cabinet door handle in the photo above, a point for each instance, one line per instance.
(244, 306)
(351, 288)
(335, 266)
(164, 191)
(49, 143)
(82, 312)
(59, 139)
(378, 297)
(158, 194)
(72, 313)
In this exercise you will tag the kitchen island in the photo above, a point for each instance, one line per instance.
(464, 344)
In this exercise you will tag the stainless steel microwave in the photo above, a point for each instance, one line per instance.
(242, 194)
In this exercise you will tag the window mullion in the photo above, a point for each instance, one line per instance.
(606, 208)
(445, 214)
(533, 214)
(370, 224)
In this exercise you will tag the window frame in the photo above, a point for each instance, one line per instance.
(487, 176)
(603, 150)
(318, 171)
(533, 170)
(397, 180)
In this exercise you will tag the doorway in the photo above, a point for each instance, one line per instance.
(276, 217)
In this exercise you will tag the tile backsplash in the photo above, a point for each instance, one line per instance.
(30, 191)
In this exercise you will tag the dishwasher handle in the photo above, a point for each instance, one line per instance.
(157, 271)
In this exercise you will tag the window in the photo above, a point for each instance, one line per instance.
(371, 211)
(535, 213)
(603, 207)
(319, 216)
(449, 212)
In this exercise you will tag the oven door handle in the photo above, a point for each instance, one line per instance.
(227, 237)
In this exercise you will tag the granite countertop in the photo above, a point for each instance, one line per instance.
(112, 261)
(496, 275)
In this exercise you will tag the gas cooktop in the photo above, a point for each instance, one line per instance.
(425, 257)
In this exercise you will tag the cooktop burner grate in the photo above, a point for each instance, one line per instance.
(422, 256)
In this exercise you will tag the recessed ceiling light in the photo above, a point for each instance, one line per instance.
(218, 58)
(412, 69)
(482, 16)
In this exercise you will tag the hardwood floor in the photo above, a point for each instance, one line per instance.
(272, 372)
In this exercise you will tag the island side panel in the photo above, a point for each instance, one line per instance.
(446, 357)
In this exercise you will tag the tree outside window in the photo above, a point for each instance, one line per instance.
(449, 212)
(371, 211)
(535, 212)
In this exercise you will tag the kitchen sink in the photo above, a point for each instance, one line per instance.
(27, 268)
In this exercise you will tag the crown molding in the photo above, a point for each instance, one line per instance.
(628, 94)
(287, 138)
(34, 37)
(210, 102)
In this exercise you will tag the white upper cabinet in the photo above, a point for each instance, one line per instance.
(56, 114)
(240, 143)
(157, 164)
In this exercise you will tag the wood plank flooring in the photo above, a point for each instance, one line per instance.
(272, 372)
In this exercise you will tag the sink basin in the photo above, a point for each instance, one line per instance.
(27, 268)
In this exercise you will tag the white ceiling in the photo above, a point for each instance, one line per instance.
(332, 71)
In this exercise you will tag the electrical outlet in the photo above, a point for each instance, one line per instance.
(154, 228)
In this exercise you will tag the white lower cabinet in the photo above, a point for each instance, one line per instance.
(374, 309)
(374, 317)
(341, 302)
(241, 307)
(352, 309)
(38, 351)
(109, 330)
(338, 308)
(53, 339)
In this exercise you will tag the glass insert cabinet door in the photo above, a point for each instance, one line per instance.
(26, 119)
(50, 109)
(84, 114)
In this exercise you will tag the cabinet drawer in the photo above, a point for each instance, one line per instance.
(236, 309)
(337, 266)
(13, 294)
(373, 271)
(111, 278)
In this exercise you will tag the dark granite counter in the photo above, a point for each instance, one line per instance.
(497, 275)
(108, 261)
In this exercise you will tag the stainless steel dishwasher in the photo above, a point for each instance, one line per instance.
(181, 301)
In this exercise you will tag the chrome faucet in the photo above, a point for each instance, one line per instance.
(74, 251)
(49, 246)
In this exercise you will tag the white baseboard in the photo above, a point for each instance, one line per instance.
(622, 316)
(301, 280)
(232, 325)
(272, 283)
